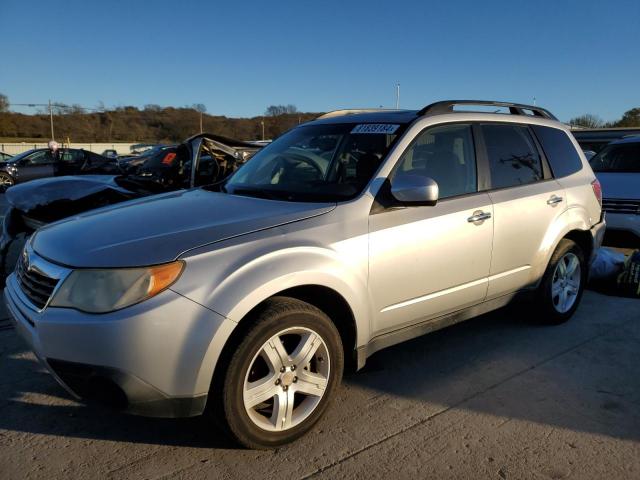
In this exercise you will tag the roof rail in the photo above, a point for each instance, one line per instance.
(353, 111)
(446, 106)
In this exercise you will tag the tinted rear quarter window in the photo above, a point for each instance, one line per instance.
(513, 156)
(561, 154)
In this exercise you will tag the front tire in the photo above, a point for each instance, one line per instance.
(6, 181)
(282, 374)
(563, 283)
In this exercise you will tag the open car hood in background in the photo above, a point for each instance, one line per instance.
(39, 193)
(50, 199)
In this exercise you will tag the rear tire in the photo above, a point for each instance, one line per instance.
(281, 375)
(562, 285)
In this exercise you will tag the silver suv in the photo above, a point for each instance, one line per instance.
(617, 166)
(246, 300)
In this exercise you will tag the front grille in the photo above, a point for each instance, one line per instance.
(35, 285)
(621, 206)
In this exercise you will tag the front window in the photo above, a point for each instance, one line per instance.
(40, 157)
(446, 155)
(316, 163)
(623, 157)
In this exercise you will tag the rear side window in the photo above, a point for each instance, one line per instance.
(513, 156)
(559, 149)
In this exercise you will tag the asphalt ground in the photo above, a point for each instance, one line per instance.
(494, 397)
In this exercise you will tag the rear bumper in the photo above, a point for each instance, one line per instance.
(597, 235)
(155, 358)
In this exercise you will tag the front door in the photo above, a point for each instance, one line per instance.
(39, 164)
(426, 261)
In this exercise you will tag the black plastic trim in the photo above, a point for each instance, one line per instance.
(401, 335)
(123, 391)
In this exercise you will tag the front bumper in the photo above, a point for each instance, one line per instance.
(155, 358)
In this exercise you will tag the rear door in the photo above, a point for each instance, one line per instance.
(526, 203)
(70, 162)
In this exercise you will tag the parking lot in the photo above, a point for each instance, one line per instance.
(495, 397)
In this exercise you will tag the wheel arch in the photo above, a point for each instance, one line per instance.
(326, 299)
(573, 224)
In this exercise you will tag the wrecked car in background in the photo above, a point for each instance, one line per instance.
(42, 163)
(200, 160)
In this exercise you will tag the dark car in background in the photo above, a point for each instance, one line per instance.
(42, 163)
(595, 139)
(617, 167)
(200, 160)
(130, 164)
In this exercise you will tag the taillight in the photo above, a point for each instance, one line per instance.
(597, 190)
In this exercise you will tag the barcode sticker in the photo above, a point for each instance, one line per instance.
(385, 128)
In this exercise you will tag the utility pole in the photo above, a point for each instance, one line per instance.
(51, 119)
(262, 123)
(201, 131)
(398, 96)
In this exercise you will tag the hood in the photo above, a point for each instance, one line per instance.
(618, 185)
(38, 193)
(159, 229)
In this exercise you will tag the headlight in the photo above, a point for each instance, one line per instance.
(101, 291)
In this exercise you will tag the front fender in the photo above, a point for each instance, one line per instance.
(235, 287)
(238, 284)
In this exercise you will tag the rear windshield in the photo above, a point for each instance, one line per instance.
(622, 157)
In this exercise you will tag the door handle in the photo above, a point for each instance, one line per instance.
(478, 217)
(554, 200)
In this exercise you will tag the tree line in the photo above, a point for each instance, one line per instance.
(152, 123)
(630, 118)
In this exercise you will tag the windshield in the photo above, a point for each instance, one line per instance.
(316, 163)
(19, 156)
(622, 157)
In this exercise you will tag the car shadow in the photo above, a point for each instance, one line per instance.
(580, 376)
(35, 403)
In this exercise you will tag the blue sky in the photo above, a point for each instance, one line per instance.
(239, 57)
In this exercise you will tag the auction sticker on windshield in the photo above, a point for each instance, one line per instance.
(375, 128)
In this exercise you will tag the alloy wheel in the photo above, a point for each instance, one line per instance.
(286, 379)
(5, 182)
(565, 285)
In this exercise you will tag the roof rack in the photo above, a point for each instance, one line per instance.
(354, 111)
(446, 106)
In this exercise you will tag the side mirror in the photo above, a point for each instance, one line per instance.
(414, 190)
